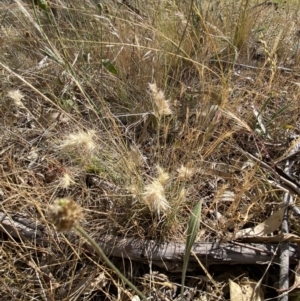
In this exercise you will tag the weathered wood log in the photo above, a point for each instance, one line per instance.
(168, 255)
(21, 227)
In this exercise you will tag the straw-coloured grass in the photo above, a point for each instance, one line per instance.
(138, 111)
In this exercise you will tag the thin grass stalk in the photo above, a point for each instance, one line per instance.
(178, 50)
(100, 252)
(186, 26)
(240, 28)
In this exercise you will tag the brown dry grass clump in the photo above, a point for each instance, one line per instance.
(137, 110)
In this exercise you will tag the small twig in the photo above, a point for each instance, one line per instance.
(281, 175)
(294, 152)
(211, 279)
(272, 253)
(294, 286)
(266, 4)
(133, 9)
(284, 256)
(253, 67)
(295, 209)
(258, 284)
(288, 157)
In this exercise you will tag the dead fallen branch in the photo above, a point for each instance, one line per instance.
(168, 255)
(21, 227)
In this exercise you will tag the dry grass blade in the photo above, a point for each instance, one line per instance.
(79, 118)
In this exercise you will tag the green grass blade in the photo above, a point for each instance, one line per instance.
(264, 106)
(276, 114)
(109, 66)
(193, 227)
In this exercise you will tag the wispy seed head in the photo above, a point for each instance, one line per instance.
(82, 141)
(154, 197)
(16, 96)
(66, 181)
(136, 156)
(162, 105)
(163, 176)
(134, 190)
(182, 18)
(184, 173)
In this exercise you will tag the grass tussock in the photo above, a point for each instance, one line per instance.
(139, 110)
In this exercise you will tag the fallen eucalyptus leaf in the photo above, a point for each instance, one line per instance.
(245, 291)
(267, 227)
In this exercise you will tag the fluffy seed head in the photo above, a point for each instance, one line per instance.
(66, 181)
(162, 105)
(163, 176)
(16, 96)
(134, 190)
(154, 197)
(182, 18)
(136, 157)
(81, 141)
(64, 214)
(184, 173)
